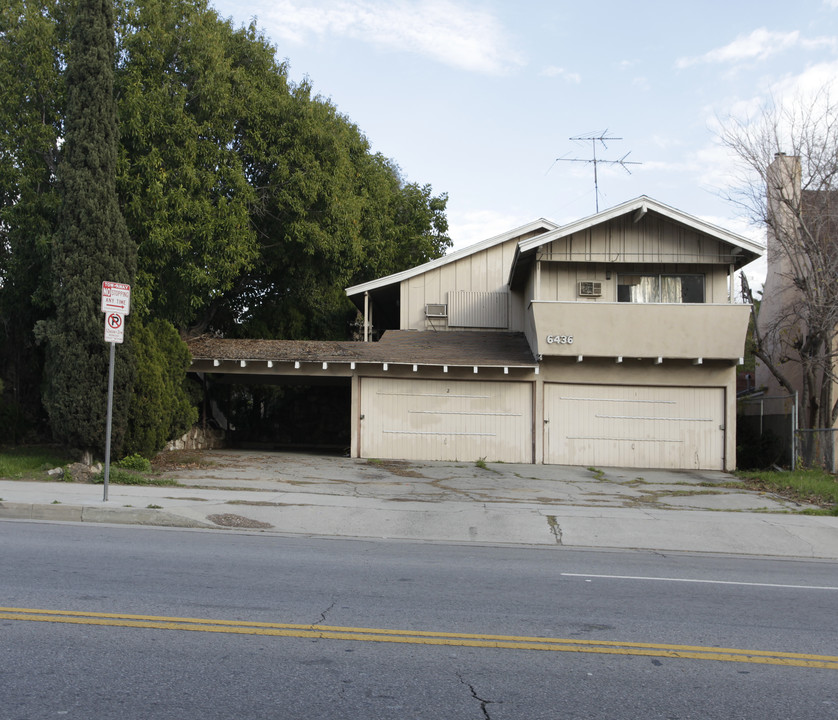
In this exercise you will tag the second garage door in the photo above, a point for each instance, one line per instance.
(634, 426)
(441, 420)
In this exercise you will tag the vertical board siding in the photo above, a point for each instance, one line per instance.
(631, 426)
(442, 420)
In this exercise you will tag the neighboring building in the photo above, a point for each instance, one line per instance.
(612, 341)
(783, 307)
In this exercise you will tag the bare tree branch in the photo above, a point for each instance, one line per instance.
(788, 182)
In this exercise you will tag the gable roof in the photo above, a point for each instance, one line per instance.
(541, 224)
(745, 250)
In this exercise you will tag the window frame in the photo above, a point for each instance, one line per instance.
(658, 287)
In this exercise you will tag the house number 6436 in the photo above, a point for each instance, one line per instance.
(560, 339)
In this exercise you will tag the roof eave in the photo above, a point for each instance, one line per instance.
(542, 223)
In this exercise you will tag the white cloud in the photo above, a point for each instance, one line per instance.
(460, 36)
(553, 71)
(757, 45)
(808, 84)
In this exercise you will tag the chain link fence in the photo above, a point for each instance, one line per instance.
(765, 432)
(767, 436)
(817, 448)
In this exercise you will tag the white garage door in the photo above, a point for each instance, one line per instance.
(441, 420)
(639, 427)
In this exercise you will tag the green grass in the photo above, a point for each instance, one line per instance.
(31, 461)
(118, 476)
(816, 487)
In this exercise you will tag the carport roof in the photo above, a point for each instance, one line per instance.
(396, 346)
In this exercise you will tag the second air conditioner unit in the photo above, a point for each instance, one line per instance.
(589, 288)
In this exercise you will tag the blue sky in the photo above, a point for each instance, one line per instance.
(479, 99)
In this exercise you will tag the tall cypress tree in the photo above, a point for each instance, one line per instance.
(92, 245)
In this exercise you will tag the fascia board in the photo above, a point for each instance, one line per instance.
(398, 277)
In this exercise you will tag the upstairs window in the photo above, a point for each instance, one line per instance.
(660, 288)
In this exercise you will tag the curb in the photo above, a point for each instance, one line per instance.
(86, 513)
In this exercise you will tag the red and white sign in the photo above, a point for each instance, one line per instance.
(114, 327)
(116, 297)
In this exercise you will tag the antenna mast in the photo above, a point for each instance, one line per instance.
(593, 138)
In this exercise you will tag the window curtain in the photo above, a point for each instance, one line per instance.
(671, 289)
(642, 288)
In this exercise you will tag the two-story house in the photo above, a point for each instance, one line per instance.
(611, 341)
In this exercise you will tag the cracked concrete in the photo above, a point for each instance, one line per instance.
(555, 528)
(539, 505)
(400, 481)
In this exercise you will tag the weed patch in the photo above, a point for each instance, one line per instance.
(816, 487)
(135, 462)
(126, 477)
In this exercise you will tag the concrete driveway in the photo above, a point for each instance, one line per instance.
(403, 481)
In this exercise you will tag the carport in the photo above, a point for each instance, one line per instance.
(437, 396)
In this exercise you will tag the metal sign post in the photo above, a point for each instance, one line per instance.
(116, 302)
(110, 418)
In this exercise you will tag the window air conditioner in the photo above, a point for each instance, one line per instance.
(436, 310)
(590, 289)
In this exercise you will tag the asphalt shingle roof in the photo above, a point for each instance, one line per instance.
(395, 346)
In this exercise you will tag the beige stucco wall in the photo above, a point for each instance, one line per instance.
(639, 330)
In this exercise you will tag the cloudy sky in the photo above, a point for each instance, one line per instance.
(479, 98)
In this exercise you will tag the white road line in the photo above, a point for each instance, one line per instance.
(708, 582)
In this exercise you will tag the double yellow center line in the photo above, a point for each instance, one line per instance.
(419, 637)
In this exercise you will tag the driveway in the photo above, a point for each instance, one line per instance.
(424, 481)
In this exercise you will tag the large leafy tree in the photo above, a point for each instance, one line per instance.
(251, 201)
(91, 245)
(33, 39)
(329, 213)
(185, 195)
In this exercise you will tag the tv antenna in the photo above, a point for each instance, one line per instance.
(595, 138)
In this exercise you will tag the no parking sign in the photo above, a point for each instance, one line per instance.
(114, 327)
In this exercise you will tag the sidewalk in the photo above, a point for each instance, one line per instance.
(316, 495)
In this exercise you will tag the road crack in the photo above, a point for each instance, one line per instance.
(483, 703)
(323, 615)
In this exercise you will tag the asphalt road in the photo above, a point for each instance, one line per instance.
(116, 622)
